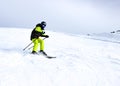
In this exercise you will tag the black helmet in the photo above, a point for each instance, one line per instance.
(43, 24)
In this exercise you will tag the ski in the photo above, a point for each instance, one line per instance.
(50, 57)
(46, 56)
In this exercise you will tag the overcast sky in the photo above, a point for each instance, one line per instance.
(73, 16)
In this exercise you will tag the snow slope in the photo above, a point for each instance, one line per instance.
(81, 60)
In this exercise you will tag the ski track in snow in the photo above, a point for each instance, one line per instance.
(81, 61)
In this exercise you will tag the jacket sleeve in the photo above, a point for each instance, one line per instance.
(40, 32)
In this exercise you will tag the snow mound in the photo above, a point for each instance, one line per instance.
(107, 37)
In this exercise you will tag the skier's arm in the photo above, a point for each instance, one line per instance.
(41, 32)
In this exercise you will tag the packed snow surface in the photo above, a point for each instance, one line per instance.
(81, 60)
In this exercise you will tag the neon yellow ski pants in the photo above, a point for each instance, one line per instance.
(38, 43)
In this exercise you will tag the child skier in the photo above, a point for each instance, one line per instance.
(36, 38)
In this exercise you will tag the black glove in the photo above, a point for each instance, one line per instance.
(46, 36)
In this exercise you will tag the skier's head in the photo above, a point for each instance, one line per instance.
(42, 25)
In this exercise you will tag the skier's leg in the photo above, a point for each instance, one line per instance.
(35, 47)
(41, 41)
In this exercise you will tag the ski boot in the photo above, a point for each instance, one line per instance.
(42, 52)
(34, 52)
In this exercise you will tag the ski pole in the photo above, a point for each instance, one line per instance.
(44, 38)
(27, 46)
(32, 46)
